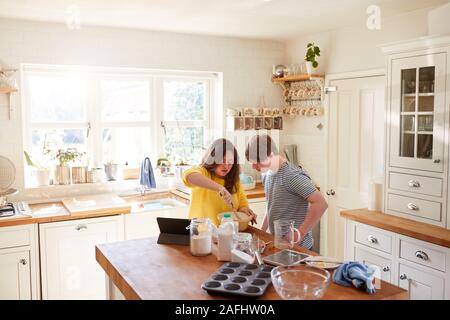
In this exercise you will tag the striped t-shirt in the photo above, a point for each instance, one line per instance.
(286, 192)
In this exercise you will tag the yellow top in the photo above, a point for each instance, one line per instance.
(206, 203)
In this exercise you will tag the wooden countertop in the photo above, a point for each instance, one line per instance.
(410, 228)
(257, 192)
(142, 269)
(56, 211)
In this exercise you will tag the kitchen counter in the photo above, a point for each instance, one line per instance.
(257, 192)
(142, 269)
(410, 228)
(56, 211)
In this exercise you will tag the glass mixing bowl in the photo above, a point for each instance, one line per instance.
(300, 282)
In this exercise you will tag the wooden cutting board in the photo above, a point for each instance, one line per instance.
(94, 202)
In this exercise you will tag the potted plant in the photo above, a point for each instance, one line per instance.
(312, 51)
(41, 172)
(64, 157)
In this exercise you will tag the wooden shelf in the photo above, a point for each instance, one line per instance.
(299, 77)
(7, 90)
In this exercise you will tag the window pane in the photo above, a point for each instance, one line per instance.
(122, 145)
(124, 100)
(56, 98)
(184, 100)
(184, 144)
(54, 139)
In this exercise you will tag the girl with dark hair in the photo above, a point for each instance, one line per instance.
(215, 184)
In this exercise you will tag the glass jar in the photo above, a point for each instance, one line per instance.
(200, 231)
(242, 248)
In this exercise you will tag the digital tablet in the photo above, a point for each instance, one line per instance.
(285, 257)
(173, 231)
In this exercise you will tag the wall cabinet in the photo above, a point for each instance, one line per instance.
(19, 277)
(417, 130)
(68, 265)
(420, 267)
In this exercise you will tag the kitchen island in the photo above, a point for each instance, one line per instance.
(143, 269)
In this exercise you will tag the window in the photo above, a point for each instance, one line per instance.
(117, 115)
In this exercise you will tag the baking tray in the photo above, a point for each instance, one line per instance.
(250, 280)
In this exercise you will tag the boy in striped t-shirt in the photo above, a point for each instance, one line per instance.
(290, 193)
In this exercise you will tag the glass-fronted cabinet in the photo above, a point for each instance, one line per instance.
(418, 112)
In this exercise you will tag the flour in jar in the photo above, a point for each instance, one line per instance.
(201, 244)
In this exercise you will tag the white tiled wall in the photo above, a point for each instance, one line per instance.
(246, 65)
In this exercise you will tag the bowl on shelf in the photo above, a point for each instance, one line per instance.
(300, 282)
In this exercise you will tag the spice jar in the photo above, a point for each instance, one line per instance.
(200, 236)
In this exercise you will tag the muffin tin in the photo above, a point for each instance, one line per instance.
(243, 279)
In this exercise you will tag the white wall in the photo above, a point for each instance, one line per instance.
(438, 21)
(347, 49)
(246, 66)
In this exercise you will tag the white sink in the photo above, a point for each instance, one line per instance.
(155, 205)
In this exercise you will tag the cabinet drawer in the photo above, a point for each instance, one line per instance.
(416, 184)
(383, 265)
(433, 258)
(16, 236)
(415, 207)
(373, 238)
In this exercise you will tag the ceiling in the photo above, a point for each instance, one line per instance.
(265, 19)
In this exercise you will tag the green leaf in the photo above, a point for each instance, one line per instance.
(29, 161)
(310, 45)
(315, 64)
(316, 50)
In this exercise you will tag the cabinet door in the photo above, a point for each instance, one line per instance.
(15, 275)
(418, 112)
(69, 268)
(382, 265)
(422, 285)
(260, 208)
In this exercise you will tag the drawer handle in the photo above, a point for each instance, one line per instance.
(80, 227)
(403, 277)
(386, 269)
(437, 161)
(372, 239)
(23, 261)
(414, 184)
(412, 206)
(421, 255)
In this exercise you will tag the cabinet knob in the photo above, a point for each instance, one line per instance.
(80, 227)
(421, 255)
(403, 277)
(23, 261)
(372, 239)
(414, 184)
(386, 269)
(331, 192)
(412, 206)
(437, 161)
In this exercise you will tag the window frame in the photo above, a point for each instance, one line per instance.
(93, 104)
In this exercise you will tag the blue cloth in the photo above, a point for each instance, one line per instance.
(356, 274)
(147, 178)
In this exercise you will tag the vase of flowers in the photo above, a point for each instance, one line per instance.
(62, 169)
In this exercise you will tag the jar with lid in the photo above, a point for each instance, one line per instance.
(200, 230)
(242, 248)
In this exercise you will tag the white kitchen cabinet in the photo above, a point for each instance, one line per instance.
(422, 268)
(68, 265)
(15, 278)
(259, 206)
(143, 224)
(19, 265)
(382, 265)
(421, 284)
(418, 130)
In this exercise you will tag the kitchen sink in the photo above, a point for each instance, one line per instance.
(159, 204)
